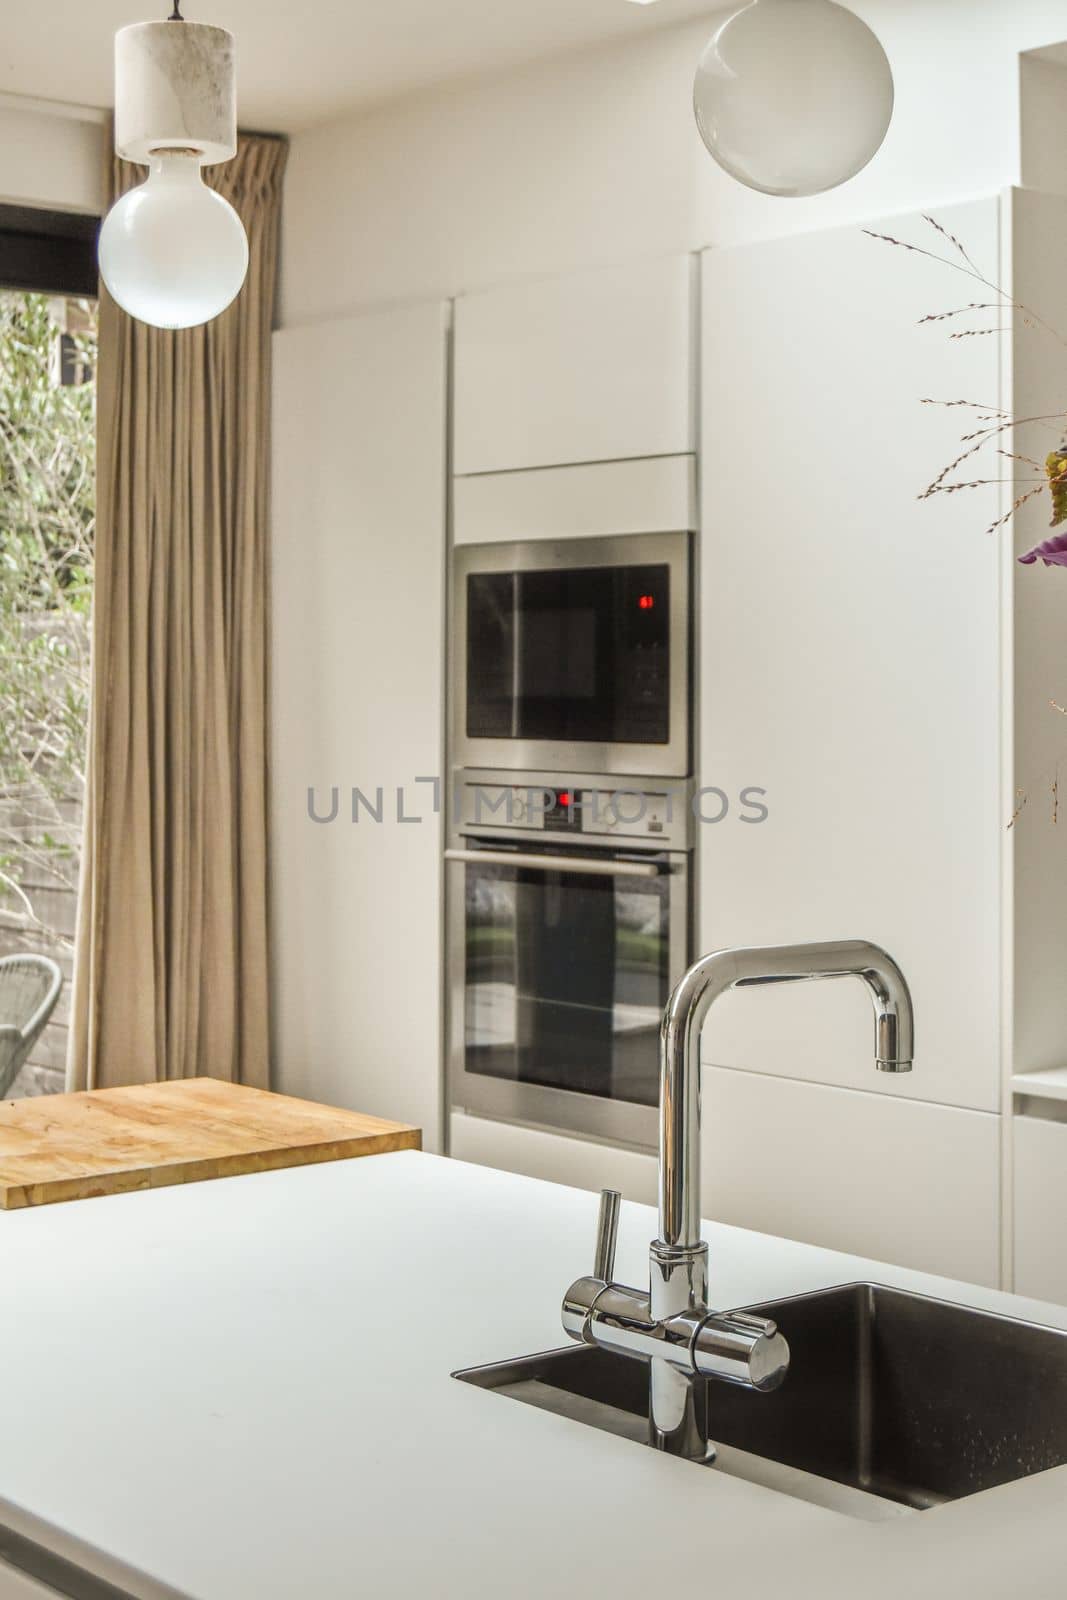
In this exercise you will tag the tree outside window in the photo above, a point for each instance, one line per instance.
(47, 481)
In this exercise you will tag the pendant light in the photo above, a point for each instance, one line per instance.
(174, 253)
(793, 97)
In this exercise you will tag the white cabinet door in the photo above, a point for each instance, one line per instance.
(596, 366)
(580, 1163)
(648, 494)
(894, 1180)
(850, 651)
(1040, 1206)
(357, 670)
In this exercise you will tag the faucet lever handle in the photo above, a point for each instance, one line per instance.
(607, 1232)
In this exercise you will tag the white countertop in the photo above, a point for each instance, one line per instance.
(240, 1390)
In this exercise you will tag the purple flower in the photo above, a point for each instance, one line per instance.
(1053, 552)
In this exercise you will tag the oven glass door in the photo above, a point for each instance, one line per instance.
(565, 978)
(573, 654)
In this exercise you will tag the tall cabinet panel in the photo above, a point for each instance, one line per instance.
(850, 653)
(358, 581)
(1038, 1146)
(1037, 256)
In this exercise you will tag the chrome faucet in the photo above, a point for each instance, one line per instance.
(672, 1325)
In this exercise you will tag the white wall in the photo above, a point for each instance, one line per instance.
(51, 156)
(594, 158)
(1043, 120)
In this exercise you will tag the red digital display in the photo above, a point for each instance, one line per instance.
(646, 602)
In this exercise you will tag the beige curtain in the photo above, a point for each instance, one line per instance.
(171, 972)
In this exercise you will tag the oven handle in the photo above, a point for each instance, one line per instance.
(585, 864)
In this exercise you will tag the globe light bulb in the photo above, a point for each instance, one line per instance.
(793, 97)
(173, 253)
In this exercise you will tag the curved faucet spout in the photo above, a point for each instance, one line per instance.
(684, 1018)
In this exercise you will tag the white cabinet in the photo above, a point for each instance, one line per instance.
(650, 494)
(916, 1185)
(850, 649)
(580, 1163)
(358, 675)
(591, 367)
(883, 668)
(847, 1171)
(1040, 1207)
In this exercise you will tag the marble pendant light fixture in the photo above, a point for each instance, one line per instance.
(174, 253)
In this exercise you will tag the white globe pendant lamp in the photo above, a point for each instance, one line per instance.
(173, 253)
(793, 97)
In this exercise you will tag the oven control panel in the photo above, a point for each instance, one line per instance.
(632, 813)
(588, 808)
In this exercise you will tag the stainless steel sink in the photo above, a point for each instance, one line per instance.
(899, 1396)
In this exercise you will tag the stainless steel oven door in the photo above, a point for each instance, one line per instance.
(573, 655)
(560, 964)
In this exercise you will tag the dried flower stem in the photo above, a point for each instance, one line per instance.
(960, 311)
(1016, 503)
(969, 270)
(951, 237)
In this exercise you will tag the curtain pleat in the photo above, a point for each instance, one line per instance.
(171, 970)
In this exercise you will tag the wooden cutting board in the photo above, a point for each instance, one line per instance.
(76, 1146)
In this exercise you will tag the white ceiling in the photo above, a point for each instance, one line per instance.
(306, 61)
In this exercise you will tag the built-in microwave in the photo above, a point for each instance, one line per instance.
(573, 655)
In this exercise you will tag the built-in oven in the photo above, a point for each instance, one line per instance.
(573, 655)
(568, 925)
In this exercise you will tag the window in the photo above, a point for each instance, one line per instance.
(47, 466)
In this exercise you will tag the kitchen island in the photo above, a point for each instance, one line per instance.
(241, 1391)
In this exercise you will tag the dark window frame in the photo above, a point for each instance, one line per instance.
(49, 252)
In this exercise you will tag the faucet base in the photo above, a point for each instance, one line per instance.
(678, 1403)
(678, 1413)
